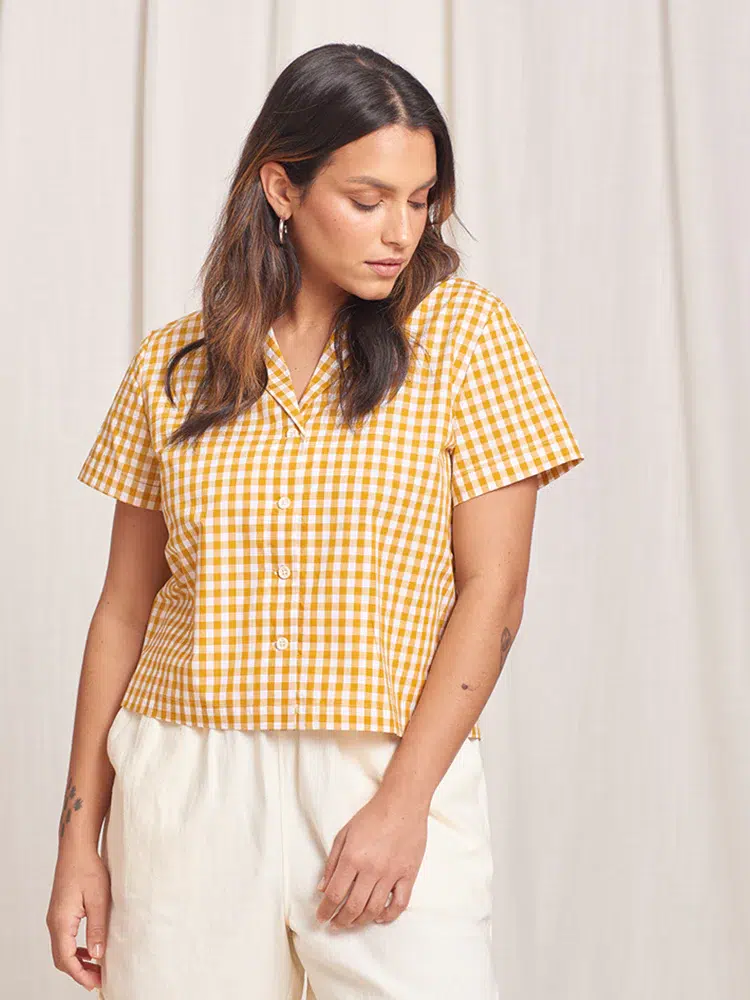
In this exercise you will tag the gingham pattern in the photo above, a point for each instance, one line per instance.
(312, 565)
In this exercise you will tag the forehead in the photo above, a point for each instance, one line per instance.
(396, 156)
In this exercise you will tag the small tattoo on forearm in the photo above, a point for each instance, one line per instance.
(505, 643)
(70, 804)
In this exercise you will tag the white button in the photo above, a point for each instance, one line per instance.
(282, 642)
(283, 502)
(284, 571)
(291, 432)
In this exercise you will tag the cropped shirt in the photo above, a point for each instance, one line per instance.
(312, 565)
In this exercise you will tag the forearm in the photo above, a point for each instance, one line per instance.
(111, 653)
(466, 665)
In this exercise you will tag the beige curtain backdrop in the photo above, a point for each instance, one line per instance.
(602, 154)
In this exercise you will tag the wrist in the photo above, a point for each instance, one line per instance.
(77, 843)
(403, 797)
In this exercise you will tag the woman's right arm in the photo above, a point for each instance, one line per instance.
(137, 569)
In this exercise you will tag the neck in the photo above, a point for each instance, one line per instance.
(311, 313)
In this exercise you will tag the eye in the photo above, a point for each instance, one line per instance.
(370, 208)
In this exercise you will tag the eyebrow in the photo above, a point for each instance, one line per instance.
(374, 182)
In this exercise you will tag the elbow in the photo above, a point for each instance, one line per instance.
(502, 602)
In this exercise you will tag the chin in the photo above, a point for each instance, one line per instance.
(373, 294)
(371, 290)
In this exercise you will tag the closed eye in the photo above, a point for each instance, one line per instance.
(370, 208)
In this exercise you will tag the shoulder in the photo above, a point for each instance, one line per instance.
(459, 297)
(464, 305)
(159, 344)
(457, 314)
(155, 352)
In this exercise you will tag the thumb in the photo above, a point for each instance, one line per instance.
(96, 905)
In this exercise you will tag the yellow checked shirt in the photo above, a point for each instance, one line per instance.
(312, 567)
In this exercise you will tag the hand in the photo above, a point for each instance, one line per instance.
(379, 851)
(81, 888)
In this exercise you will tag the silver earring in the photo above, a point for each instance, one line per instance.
(282, 230)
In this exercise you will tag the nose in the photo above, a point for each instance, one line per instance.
(397, 229)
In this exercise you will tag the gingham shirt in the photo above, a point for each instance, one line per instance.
(312, 567)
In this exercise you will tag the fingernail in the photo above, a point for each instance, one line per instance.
(96, 951)
(321, 884)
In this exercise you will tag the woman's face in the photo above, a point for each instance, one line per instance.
(369, 204)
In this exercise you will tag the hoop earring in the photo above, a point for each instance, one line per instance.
(282, 230)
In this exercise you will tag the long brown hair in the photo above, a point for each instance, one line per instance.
(325, 98)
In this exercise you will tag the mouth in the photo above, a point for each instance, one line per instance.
(385, 268)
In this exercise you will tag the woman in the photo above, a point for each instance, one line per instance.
(326, 481)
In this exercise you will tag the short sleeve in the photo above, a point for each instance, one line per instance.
(122, 462)
(507, 423)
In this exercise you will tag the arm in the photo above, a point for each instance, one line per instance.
(492, 544)
(384, 843)
(136, 570)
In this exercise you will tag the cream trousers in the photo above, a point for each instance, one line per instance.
(215, 840)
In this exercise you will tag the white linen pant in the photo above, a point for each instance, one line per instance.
(215, 841)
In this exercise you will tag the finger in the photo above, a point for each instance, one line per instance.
(336, 848)
(67, 955)
(92, 967)
(399, 902)
(356, 901)
(96, 902)
(376, 903)
(336, 891)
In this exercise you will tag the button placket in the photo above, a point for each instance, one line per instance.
(284, 572)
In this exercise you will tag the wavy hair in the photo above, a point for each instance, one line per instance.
(325, 98)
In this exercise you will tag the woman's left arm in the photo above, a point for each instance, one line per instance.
(383, 845)
(492, 547)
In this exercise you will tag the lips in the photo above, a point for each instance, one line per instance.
(385, 270)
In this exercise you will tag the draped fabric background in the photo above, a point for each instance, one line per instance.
(602, 156)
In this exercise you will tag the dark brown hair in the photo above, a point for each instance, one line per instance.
(325, 98)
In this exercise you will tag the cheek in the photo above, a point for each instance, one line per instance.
(349, 234)
(351, 224)
(340, 238)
